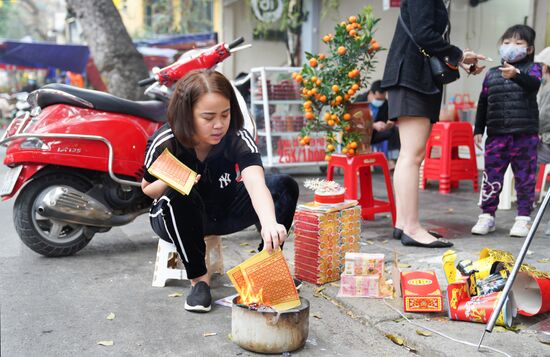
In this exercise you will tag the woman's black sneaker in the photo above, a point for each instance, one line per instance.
(199, 299)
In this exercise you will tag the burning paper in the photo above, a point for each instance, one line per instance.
(264, 279)
(174, 172)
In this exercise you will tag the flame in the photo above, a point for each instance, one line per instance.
(248, 297)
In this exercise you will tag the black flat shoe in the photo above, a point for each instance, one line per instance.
(397, 232)
(440, 243)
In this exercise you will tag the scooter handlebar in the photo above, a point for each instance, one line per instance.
(235, 42)
(146, 81)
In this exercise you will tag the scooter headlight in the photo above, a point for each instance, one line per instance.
(34, 144)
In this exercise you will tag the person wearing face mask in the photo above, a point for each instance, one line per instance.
(508, 110)
(383, 129)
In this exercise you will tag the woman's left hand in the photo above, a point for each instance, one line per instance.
(273, 235)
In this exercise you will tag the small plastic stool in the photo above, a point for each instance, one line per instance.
(449, 169)
(214, 261)
(540, 176)
(508, 193)
(360, 165)
(545, 174)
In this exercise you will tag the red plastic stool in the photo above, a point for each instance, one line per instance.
(449, 169)
(360, 165)
(540, 177)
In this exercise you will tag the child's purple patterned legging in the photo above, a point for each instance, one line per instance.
(519, 150)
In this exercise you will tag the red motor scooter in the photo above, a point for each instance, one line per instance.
(77, 158)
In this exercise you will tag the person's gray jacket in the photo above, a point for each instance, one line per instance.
(427, 20)
(543, 99)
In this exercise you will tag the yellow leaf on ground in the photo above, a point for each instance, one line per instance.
(208, 334)
(244, 244)
(175, 295)
(106, 343)
(252, 251)
(111, 316)
(370, 242)
(384, 241)
(423, 333)
(317, 291)
(395, 339)
(316, 315)
(543, 260)
(403, 265)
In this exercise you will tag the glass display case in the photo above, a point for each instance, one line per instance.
(276, 105)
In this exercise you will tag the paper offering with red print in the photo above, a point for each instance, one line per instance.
(265, 279)
(174, 172)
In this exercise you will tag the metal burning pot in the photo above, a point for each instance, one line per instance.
(270, 332)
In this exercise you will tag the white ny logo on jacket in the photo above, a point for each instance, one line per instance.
(224, 180)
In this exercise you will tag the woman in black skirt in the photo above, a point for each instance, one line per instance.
(415, 101)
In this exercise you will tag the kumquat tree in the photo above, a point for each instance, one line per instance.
(331, 82)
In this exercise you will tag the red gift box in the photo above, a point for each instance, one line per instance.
(421, 292)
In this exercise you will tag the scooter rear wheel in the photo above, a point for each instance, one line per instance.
(43, 235)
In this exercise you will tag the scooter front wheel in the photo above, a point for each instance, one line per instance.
(44, 235)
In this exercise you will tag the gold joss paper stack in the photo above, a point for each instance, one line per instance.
(322, 239)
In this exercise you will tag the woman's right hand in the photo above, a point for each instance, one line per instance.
(470, 57)
(477, 140)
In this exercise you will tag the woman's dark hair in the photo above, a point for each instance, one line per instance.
(522, 32)
(188, 91)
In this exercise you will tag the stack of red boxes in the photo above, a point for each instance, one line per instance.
(322, 240)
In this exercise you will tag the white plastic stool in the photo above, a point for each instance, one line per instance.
(214, 261)
(508, 193)
(546, 172)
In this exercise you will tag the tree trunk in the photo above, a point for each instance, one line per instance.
(120, 64)
(296, 17)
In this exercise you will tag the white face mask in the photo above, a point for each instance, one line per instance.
(512, 53)
(377, 103)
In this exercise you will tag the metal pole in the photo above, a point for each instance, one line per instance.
(515, 270)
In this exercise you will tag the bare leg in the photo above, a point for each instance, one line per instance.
(414, 133)
(205, 278)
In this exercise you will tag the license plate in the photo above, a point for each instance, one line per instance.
(10, 178)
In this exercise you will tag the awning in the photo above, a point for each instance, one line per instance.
(44, 55)
(181, 42)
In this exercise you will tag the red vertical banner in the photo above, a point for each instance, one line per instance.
(395, 3)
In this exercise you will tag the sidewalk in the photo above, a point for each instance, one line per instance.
(452, 215)
(58, 307)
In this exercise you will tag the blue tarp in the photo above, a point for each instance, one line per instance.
(44, 55)
(168, 40)
(74, 57)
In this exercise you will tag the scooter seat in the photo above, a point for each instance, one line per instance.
(153, 110)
